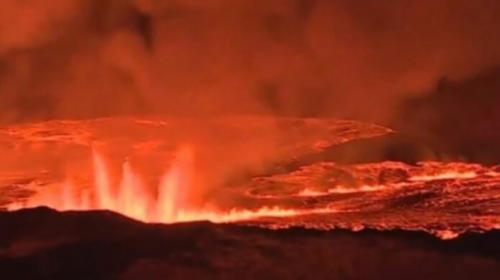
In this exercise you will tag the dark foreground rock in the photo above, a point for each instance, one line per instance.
(45, 244)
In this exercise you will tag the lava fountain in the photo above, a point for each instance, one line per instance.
(442, 198)
(167, 203)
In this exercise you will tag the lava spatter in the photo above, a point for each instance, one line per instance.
(442, 198)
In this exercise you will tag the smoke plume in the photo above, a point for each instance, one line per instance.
(88, 58)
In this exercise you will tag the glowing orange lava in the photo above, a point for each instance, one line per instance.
(444, 176)
(443, 198)
(133, 198)
(307, 192)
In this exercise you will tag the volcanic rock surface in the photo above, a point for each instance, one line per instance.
(44, 244)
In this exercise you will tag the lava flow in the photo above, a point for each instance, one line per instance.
(167, 204)
(445, 199)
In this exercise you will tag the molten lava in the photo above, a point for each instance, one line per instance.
(445, 199)
(169, 203)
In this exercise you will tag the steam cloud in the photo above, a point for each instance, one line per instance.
(357, 59)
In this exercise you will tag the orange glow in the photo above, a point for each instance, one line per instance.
(447, 234)
(443, 176)
(169, 204)
(340, 190)
(160, 180)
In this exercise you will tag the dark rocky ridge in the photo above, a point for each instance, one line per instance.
(45, 244)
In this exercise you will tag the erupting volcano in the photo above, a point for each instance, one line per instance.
(133, 199)
(246, 139)
(155, 177)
